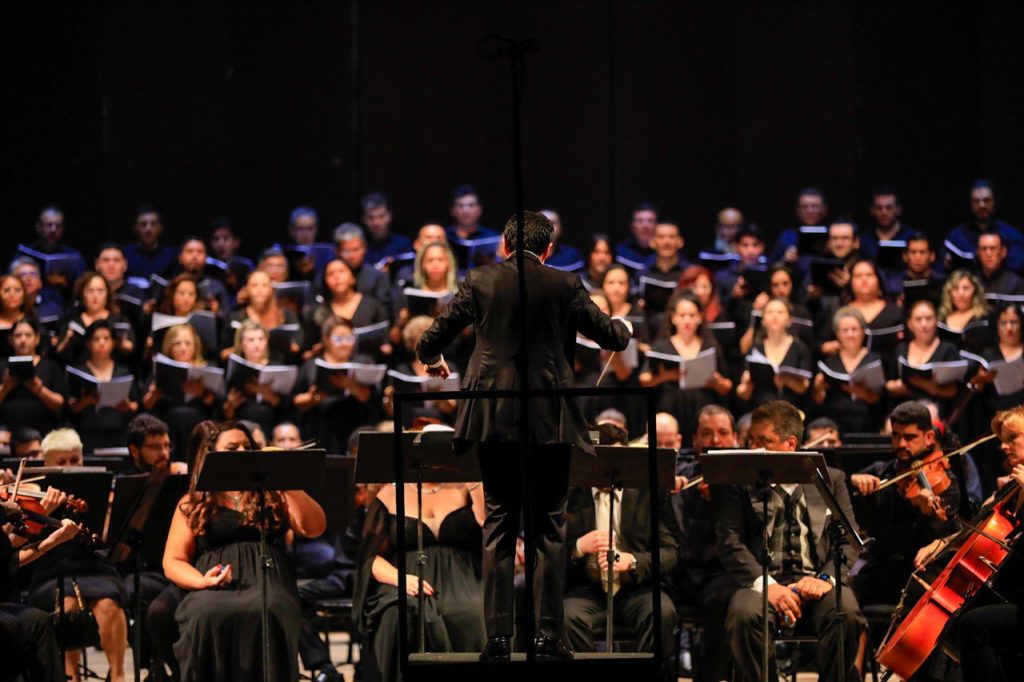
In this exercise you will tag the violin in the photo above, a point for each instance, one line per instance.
(74, 505)
(987, 543)
(35, 520)
(930, 473)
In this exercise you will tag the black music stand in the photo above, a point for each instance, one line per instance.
(128, 544)
(260, 471)
(337, 494)
(615, 467)
(842, 529)
(762, 468)
(431, 452)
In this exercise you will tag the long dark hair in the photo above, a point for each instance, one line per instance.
(200, 507)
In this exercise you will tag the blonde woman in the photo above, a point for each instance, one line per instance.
(253, 401)
(181, 344)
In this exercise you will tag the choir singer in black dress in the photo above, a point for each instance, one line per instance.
(558, 306)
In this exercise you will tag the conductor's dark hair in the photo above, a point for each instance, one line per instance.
(785, 419)
(537, 231)
(143, 426)
(912, 413)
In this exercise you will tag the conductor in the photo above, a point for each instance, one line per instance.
(558, 307)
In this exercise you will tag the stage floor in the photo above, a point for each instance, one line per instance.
(339, 652)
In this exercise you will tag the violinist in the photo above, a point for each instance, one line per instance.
(101, 585)
(913, 512)
(28, 643)
(987, 633)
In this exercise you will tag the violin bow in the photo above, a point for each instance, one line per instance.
(913, 470)
(815, 441)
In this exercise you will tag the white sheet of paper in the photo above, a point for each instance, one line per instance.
(1009, 376)
(114, 391)
(696, 372)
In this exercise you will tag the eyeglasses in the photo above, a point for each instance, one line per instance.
(343, 338)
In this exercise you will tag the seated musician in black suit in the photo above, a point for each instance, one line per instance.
(701, 579)
(800, 589)
(588, 537)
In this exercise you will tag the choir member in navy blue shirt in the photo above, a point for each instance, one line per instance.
(983, 217)
(146, 257)
(381, 241)
(636, 253)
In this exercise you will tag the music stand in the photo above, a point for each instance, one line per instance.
(128, 544)
(761, 468)
(841, 529)
(337, 494)
(260, 471)
(615, 467)
(431, 452)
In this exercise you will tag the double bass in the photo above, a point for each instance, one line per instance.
(987, 544)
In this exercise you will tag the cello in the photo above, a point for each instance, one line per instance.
(987, 544)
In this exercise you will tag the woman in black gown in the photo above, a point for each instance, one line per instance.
(453, 515)
(212, 552)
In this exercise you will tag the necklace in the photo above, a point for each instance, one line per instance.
(235, 500)
(430, 491)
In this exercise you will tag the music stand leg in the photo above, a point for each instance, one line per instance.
(838, 558)
(609, 622)
(265, 564)
(137, 613)
(766, 557)
(421, 557)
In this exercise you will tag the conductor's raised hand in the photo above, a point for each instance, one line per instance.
(439, 370)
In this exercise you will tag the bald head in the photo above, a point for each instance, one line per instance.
(668, 431)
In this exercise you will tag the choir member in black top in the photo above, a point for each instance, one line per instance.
(600, 256)
(253, 401)
(95, 301)
(341, 299)
(329, 413)
(36, 401)
(685, 337)
(777, 348)
(850, 403)
(263, 308)
(866, 292)
(102, 427)
(923, 347)
(963, 312)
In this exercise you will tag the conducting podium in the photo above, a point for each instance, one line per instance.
(762, 469)
(262, 471)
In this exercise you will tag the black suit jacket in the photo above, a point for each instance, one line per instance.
(739, 527)
(559, 306)
(634, 537)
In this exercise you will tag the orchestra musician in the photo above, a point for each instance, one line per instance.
(801, 592)
(909, 519)
(987, 635)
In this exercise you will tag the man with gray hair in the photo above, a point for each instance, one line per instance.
(350, 246)
(801, 592)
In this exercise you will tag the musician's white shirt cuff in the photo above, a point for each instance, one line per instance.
(756, 587)
(629, 325)
(435, 363)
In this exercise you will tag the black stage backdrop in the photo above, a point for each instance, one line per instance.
(247, 109)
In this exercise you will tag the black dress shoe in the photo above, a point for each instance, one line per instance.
(551, 649)
(497, 650)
